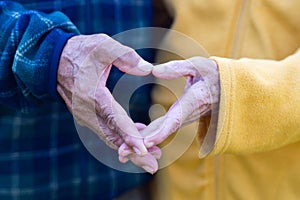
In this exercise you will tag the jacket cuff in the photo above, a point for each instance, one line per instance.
(211, 130)
(60, 38)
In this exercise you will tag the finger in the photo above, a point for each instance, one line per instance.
(195, 66)
(153, 127)
(155, 151)
(147, 162)
(158, 130)
(124, 150)
(123, 159)
(103, 132)
(125, 127)
(116, 119)
(174, 69)
(132, 63)
(110, 51)
(140, 126)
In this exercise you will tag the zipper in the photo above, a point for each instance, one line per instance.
(220, 160)
(240, 22)
(216, 163)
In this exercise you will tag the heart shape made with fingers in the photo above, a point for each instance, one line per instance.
(200, 93)
(84, 67)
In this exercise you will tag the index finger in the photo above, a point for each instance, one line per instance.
(110, 51)
(116, 118)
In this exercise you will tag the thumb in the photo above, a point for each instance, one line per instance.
(158, 130)
(110, 51)
(195, 66)
(174, 69)
(185, 108)
(161, 128)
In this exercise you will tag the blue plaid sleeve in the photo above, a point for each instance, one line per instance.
(30, 47)
(41, 155)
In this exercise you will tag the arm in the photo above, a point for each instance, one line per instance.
(258, 109)
(30, 44)
(259, 105)
(39, 58)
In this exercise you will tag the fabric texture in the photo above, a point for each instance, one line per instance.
(41, 155)
(256, 152)
(28, 41)
(260, 105)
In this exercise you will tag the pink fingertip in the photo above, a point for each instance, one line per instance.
(123, 159)
(144, 66)
(139, 152)
(140, 126)
(155, 151)
(149, 144)
(148, 169)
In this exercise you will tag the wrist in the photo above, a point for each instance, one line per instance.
(60, 39)
(213, 82)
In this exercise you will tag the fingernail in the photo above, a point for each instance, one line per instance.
(158, 69)
(123, 159)
(125, 153)
(148, 169)
(136, 150)
(145, 66)
(141, 151)
(149, 144)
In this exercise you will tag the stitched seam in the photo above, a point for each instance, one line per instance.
(228, 111)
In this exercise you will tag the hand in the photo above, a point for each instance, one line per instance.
(147, 162)
(82, 74)
(200, 93)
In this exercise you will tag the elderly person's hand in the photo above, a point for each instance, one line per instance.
(83, 70)
(200, 93)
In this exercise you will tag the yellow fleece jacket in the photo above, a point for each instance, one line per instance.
(256, 151)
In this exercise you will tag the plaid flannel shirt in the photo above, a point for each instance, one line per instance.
(41, 155)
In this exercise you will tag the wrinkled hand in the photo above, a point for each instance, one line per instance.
(200, 93)
(146, 162)
(83, 70)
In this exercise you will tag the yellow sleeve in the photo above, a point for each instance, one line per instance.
(259, 106)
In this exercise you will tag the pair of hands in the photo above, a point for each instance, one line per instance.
(82, 74)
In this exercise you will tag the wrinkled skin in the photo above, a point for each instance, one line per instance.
(125, 153)
(200, 93)
(83, 70)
